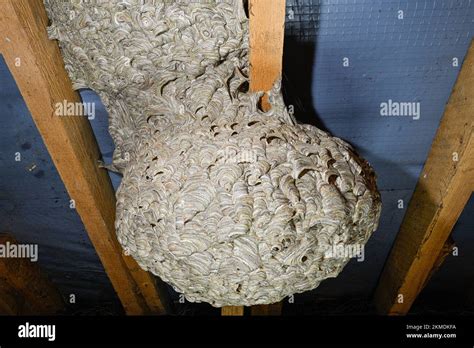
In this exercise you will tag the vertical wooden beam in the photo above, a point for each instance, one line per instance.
(232, 311)
(443, 189)
(267, 31)
(24, 289)
(38, 69)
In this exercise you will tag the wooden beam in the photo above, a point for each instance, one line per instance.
(38, 69)
(267, 31)
(443, 254)
(232, 311)
(443, 189)
(10, 300)
(267, 310)
(24, 289)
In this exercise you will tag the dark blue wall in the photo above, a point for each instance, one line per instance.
(405, 60)
(35, 207)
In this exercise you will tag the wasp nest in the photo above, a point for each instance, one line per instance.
(228, 204)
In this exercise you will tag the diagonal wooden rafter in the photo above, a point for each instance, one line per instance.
(267, 310)
(24, 289)
(37, 66)
(442, 191)
(267, 31)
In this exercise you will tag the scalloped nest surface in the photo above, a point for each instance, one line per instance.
(228, 204)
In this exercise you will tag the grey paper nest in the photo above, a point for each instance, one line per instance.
(228, 204)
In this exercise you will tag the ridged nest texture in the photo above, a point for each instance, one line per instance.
(228, 204)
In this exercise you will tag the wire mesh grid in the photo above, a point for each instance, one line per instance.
(399, 22)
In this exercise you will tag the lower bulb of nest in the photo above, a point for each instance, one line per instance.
(245, 212)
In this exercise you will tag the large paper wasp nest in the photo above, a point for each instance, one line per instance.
(228, 204)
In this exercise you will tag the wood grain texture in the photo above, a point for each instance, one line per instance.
(267, 32)
(442, 191)
(264, 310)
(37, 67)
(232, 311)
(24, 289)
(443, 254)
